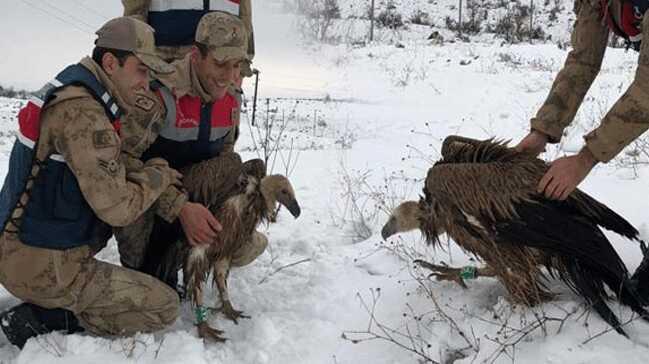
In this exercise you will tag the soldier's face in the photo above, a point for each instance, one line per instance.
(215, 76)
(130, 78)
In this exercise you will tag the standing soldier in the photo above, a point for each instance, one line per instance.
(67, 185)
(175, 23)
(626, 120)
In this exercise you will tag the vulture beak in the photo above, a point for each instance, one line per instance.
(389, 229)
(293, 208)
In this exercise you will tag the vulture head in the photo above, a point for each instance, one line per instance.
(277, 188)
(404, 218)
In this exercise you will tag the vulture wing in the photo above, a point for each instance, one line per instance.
(213, 181)
(256, 168)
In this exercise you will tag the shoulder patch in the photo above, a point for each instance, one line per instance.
(111, 166)
(144, 102)
(104, 139)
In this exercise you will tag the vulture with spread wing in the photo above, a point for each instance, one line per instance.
(241, 197)
(484, 196)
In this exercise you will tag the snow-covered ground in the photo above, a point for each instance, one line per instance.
(326, 276)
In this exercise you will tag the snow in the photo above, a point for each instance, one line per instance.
(390, 107)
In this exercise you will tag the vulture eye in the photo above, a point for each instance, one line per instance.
(284, 191)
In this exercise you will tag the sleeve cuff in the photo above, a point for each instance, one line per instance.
(170, 206)
(599, 149)
(554, 133)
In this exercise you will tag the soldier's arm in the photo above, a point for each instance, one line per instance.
(589, 39)
(245, 12)
(137, 8)
(91, 149)
(170, 203)
(629, 117)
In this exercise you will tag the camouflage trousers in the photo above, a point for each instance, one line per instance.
(107, 299)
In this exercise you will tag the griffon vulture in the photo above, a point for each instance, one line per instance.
(241, 196)
(484, 196)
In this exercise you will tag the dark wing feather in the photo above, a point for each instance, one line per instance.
(213, 181)
(586, 253)
(256, 168)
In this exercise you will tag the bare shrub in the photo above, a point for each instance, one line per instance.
(318, 17)
(420, 18)
(271, 143)
(514, 26)
(390, 17)
(362, 201)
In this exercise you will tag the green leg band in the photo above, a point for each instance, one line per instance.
(201, 314)
(468, 272)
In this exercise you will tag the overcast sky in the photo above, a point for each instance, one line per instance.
(39, 38)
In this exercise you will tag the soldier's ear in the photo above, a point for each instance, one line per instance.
(109, 63)
(195, 54)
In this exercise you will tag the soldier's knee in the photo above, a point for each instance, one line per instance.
(250, 250)
(169, 306)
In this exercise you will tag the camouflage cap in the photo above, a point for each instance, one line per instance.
(129, 34)
(224, 35)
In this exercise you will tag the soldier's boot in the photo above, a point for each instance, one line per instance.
(640, 280)
(22, 322)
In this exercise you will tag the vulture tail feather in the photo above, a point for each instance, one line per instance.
(593, 291)
(588, 261)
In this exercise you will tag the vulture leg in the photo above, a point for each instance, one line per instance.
(445, 273)
(221, 272)
(205, 331)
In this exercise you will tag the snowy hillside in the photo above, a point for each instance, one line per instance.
(398, 20)
(328, 289)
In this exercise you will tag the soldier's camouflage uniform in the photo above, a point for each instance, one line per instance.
(628, 118)
(107, 299)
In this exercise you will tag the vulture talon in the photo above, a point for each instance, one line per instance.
(231, 313)
(442, 273)
(210, 333)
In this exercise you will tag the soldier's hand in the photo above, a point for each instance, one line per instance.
(533, 143)
(200, 226)
(173, 177)
(565, 174)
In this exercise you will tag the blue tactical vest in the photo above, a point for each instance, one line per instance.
(175, 21)
(56, 216)
(193, 131)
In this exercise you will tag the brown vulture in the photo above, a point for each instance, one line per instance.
(483, 194)
(241, 197)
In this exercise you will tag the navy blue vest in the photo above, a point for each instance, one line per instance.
(57, 215)
(193, 131)
(175, 22)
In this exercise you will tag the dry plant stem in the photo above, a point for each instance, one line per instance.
(277, 270)
(378, 331)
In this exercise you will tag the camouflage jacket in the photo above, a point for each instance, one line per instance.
(627, 119)
(76, 126)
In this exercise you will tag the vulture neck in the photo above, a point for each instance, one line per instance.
(269, 200)
(430, 220)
